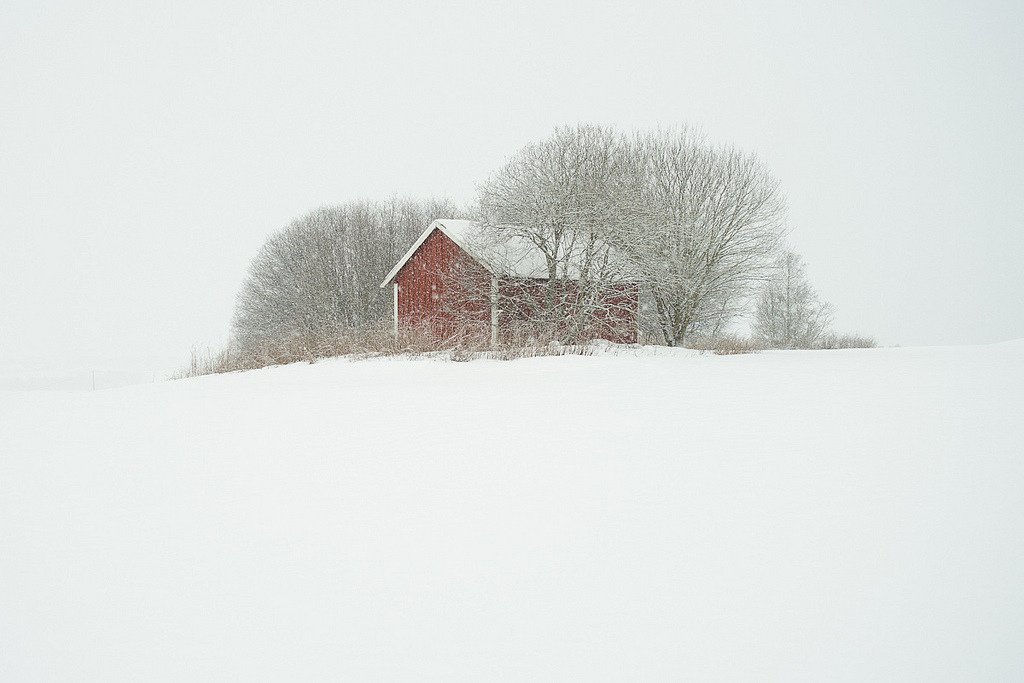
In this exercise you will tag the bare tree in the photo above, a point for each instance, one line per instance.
(502, 293)
(712, 219)
(696, 225)
(789, 313)
(320, 276)
(564, 196)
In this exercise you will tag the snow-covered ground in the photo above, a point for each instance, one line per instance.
(74, 380)
(829, 515)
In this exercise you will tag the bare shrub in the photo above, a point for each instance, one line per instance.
(205, 362)
(846, 341)
(368, 340)
(726, 345)
(376, 342)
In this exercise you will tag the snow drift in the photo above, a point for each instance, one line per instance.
(787, 515)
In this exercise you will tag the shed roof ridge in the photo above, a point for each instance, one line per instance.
(502, 253)
(437, 223)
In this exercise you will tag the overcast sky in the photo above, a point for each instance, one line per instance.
(147, 151)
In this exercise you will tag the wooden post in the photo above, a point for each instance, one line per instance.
(639, 326)
(394, 289)
(494, 312)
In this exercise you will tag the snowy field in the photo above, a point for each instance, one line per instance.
(830, 515)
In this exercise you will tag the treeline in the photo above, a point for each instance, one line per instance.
(701, 226)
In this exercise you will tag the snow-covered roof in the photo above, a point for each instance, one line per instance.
(503, 253)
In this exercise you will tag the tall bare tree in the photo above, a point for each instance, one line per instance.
(697, 225)
(789, 313)
(565, 195)
(711, 222)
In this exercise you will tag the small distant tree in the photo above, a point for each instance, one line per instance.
(789, 314)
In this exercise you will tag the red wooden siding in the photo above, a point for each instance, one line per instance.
(426, 289)
(614, 318)
(618, 320)
(430, 294)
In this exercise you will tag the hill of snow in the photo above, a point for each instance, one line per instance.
(851, 515)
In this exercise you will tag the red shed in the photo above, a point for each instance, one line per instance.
(508, 269)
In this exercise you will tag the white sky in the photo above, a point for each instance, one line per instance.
(147, 152)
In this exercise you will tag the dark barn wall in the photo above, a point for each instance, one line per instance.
(615, 319)
(619, 321)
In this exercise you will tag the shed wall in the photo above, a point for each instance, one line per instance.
(614, 318)
(429, 292)
(434, 296)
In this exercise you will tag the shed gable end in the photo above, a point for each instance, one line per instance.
(424, 284)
